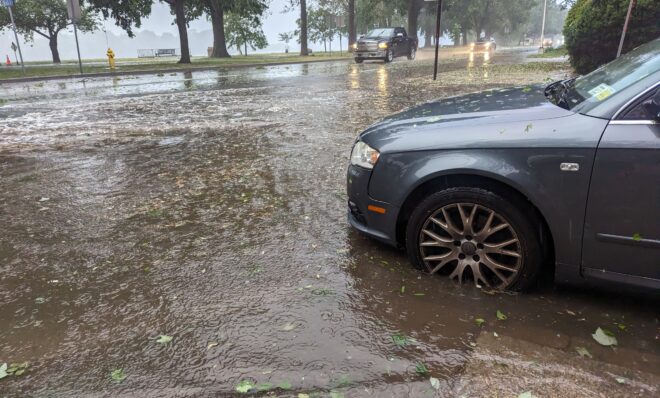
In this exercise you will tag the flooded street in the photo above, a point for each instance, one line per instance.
(210, 207)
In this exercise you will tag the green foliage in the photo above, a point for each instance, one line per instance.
(127, 14)
(44, 17)
(593, 29)
(243, 32)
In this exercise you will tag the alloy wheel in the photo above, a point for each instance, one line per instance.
(463, 240)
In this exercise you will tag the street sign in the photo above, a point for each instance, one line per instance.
(73, 8)
(7, 3)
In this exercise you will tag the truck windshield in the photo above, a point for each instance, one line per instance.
(387, 32)
(588, 91)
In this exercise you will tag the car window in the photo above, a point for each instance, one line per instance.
(636, 110)
(590, 90)
(388, 32)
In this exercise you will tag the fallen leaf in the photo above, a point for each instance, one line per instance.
(164, 339)
(526, 394)
(117, 375)
(569, 312)
(288, 327)
(435, 383)
(637, 237)
(403, 289)
(421, 369)
(583, 352)
(212, 344)
(336, 394)
(265, 386)
(500, 315)
(419, 294)
(604, 338)
(244, 386)
(479, 321)
(620, 380)
(303, 395)
(400, 340)
(285, 385)
(3, 371)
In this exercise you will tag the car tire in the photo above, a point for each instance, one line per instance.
(412, 54)
(359, 60)
(436, 245)
(389, 56)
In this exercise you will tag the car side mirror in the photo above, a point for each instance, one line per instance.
(652, 107)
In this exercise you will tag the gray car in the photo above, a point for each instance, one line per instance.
(492, 187)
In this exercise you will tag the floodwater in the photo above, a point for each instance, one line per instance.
(210, 207)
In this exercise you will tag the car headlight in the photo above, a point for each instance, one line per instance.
(382, 45)
(364, 156)
(354, 46)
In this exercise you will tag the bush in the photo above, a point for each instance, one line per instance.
(593, 29)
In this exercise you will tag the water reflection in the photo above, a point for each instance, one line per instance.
(383, 77)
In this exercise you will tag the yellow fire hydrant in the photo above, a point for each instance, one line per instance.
(111, 58)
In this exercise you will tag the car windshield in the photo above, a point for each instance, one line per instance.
(588, 91)
(387, 32)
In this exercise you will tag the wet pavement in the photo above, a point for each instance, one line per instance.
(210, 207)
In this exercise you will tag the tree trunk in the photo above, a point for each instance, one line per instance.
(413, 15)
(183, 31)
(352, 32)
(245, 44)
(52, 42)
(464, 33)
(218, 23)
(303, 28)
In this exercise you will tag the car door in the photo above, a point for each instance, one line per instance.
(398, 42)
(622, 224)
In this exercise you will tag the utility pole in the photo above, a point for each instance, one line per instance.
(625, 27)
(545, 7)
(9, 4)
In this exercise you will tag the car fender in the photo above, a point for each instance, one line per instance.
(533, 172)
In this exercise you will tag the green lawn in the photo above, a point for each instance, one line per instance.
(68, 68)
(552, 53)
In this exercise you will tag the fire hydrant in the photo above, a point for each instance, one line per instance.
(111, 58)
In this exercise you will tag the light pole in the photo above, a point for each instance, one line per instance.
(545, 7)
(9, 4)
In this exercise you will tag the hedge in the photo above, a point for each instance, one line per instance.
(593, 29)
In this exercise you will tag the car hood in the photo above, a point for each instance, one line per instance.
(517, 116)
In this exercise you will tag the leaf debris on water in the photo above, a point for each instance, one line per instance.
(244, 386)
(117, 375)
(164, 339)
(435, 383)
(400, 340)
(421, 369)
(500, 316)
(480, 321)
(583, 352)
(604, 337)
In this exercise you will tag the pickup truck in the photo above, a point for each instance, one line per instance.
(385, 44)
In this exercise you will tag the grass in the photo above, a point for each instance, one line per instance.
(70, 68)
(551, 53)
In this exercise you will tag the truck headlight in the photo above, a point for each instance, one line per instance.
(382, 45)
(364, 156)
(354, 46)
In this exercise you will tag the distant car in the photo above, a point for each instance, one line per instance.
(493, 187)
(483, 45)
(385, 44)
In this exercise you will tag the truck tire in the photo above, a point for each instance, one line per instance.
(358, 60)
(389, 56)
(412, 53)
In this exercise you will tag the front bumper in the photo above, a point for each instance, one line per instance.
(370, 54)
(379, 225)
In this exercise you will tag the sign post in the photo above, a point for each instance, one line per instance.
(73, 8)
(9, 4)
(437, 38)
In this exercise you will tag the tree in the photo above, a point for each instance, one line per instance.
(243, 32)
(46, 18)
(127, 14)
(286, 37)
(178, 8)
(593, 30)
(304, 50)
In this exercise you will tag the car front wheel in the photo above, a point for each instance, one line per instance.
(471, 233)
(389, 57)
(358, 60)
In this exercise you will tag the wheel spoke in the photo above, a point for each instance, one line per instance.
(498, 247)
(438, 240)
(452, 229)
(495, 265)
(453, 256)
(467, 220)
(478, 277)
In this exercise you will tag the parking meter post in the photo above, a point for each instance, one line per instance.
(437, 39)
(18, 44)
